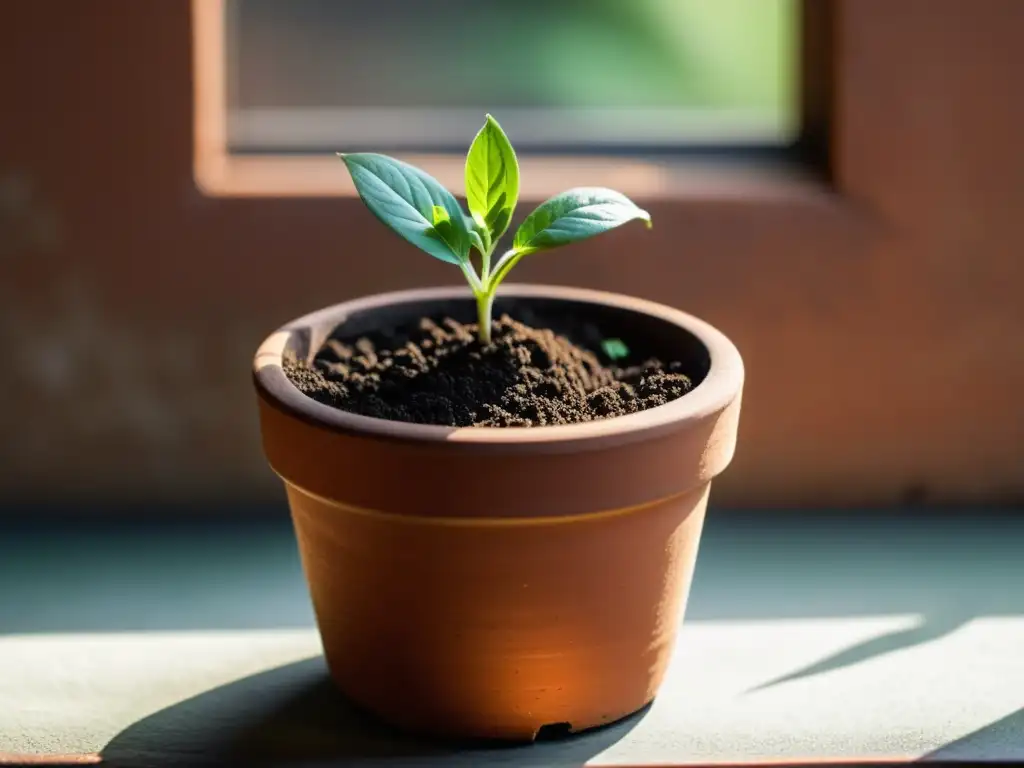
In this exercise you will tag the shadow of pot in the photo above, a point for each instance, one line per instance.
(494, 582)
(293, 715)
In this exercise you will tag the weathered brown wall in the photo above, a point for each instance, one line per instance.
(880, 320)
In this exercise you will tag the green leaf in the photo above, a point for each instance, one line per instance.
(411, 203)
(492, 179)
(500, 223)
(575, 215)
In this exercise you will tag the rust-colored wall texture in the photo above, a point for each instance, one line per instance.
(879, 316)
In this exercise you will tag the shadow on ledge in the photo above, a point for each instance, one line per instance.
(293, 715)
(931, 628)
(1000, 741)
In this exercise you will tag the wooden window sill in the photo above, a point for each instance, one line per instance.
(223, 175)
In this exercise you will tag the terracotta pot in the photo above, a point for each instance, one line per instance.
(486, 582)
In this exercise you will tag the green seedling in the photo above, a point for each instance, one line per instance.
(616, 349)
(418, 208)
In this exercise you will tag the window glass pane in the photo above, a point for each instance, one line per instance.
(336, 74)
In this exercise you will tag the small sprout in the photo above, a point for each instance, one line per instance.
(615, 349)
(440, 215)
(415, 206)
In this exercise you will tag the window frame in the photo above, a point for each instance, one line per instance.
(870, 287)
(220, 173)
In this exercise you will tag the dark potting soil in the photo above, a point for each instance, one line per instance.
(437, 372)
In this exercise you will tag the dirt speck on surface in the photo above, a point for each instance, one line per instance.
(438, 373)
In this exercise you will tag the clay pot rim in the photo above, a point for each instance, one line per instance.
(719, 387)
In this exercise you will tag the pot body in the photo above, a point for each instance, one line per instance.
(491, 630)
(488, 582)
